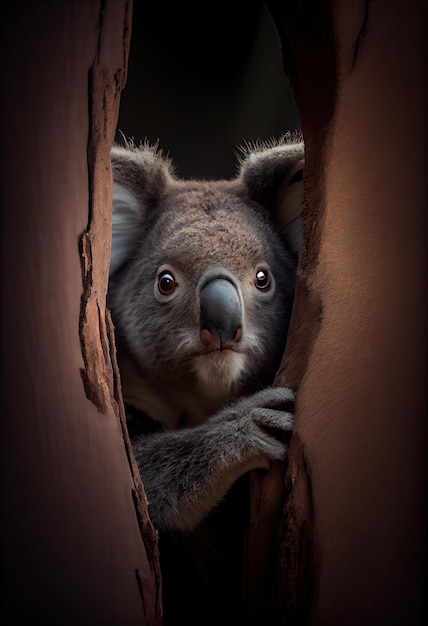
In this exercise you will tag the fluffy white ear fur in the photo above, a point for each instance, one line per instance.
(273, 175)
(124, 221)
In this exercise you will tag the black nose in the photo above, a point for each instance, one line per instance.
(220, 315)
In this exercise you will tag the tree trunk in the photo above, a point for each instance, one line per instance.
(77, 545)
(351, 543)
(348, 545)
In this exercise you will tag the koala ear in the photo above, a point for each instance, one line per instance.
(126, 221)
(273, 176)
(141, 176)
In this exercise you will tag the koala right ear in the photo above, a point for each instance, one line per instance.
(141, 176)
(272, 174)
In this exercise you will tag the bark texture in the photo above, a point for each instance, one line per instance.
(348, 546)
(77, 545)
(351, 546)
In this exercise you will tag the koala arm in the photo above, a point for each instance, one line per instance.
(187, 472)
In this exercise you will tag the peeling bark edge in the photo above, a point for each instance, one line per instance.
(100, 375)
(95, 392)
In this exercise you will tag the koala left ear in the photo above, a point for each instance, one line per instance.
(273, 176)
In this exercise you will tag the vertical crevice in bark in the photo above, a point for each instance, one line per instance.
(296, 581)
(274, 553)
(150, 588)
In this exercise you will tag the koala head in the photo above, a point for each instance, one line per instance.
(202, 272)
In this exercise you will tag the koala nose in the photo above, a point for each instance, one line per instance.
(220, 314)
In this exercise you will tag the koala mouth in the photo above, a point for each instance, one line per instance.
(219, 341)
(223, 348)
(220, 367)
(218, 353)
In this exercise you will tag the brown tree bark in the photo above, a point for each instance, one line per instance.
(348, 547)
(77, 545)
(351, 546)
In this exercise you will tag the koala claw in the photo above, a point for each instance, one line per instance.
(273, 398)
(276, 420)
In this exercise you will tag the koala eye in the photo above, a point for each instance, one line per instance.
(262, 280)
(166, 283)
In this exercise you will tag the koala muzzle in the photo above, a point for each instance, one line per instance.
(220, 315)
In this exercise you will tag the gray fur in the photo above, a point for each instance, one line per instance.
(192, 383)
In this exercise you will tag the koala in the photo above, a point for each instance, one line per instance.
(200, 291)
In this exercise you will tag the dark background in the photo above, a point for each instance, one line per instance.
(203, 82)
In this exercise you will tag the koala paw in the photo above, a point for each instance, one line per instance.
(259, 426)
(187, 472)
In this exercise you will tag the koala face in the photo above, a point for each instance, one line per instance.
(202, 275)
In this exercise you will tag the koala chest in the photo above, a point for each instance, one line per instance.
(173, 403)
